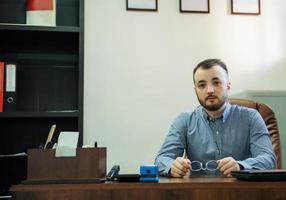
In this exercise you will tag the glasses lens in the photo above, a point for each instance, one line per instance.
(211, 165)
(196, 165)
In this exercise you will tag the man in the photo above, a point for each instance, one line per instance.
(216, 138)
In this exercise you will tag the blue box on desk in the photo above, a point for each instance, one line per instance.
(149, 173)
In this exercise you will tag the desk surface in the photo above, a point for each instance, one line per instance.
(167, 188)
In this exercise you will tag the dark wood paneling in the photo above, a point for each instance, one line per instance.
(166, 189)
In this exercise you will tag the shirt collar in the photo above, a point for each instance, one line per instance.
(224, 115)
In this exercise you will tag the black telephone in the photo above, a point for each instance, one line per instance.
(113, 173)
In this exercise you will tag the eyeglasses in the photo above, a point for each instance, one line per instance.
(211, 165)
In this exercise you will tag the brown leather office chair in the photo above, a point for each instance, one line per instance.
(269, 118)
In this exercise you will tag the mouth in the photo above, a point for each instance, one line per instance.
(211, 98)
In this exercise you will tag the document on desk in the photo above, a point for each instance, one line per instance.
(67, 144)
(22, 154)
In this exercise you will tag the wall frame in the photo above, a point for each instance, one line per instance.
(245, 7)
(142, 5)
(195, 6)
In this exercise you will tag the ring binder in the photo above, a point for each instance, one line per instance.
(2, 66)
(10, 87)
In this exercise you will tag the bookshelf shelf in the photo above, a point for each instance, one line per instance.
(55, 114)
(23, 27)
(49, 77)
(68, 60)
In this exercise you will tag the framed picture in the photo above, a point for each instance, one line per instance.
(245, 7)
(142, 5)
(195, 6)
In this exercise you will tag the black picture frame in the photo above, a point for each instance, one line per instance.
(142, 5)
(245, 7)
(195, 6)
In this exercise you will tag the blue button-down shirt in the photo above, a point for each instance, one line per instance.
(240, 133)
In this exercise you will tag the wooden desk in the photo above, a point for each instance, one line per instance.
(167, 189)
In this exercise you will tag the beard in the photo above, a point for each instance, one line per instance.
(213, 107)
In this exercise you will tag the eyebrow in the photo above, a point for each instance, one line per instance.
(201, 81)
(216, 78)
(213, 79)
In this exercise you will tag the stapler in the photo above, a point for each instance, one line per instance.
(149, 173)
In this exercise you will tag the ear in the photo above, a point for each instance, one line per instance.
(228, 86)
(195, 89)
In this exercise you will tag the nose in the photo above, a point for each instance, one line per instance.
(210, 89)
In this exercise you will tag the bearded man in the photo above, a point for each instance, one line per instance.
(217, 137)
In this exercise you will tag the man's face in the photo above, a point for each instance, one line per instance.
(212, 86)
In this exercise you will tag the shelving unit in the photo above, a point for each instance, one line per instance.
(49, 81)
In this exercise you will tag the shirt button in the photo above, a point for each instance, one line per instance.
(217, 132)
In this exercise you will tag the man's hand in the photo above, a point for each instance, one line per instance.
(228, 164)
(180, 167)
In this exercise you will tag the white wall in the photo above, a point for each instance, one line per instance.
(138, 68)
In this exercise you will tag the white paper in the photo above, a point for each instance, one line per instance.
(68, 139)
(67, 144)
(22, 154)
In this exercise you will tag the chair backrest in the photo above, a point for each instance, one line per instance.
(270, 120)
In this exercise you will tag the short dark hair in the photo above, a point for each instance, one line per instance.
(209, 63)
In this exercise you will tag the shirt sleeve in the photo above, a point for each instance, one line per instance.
(173, 146)
(261, 147)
